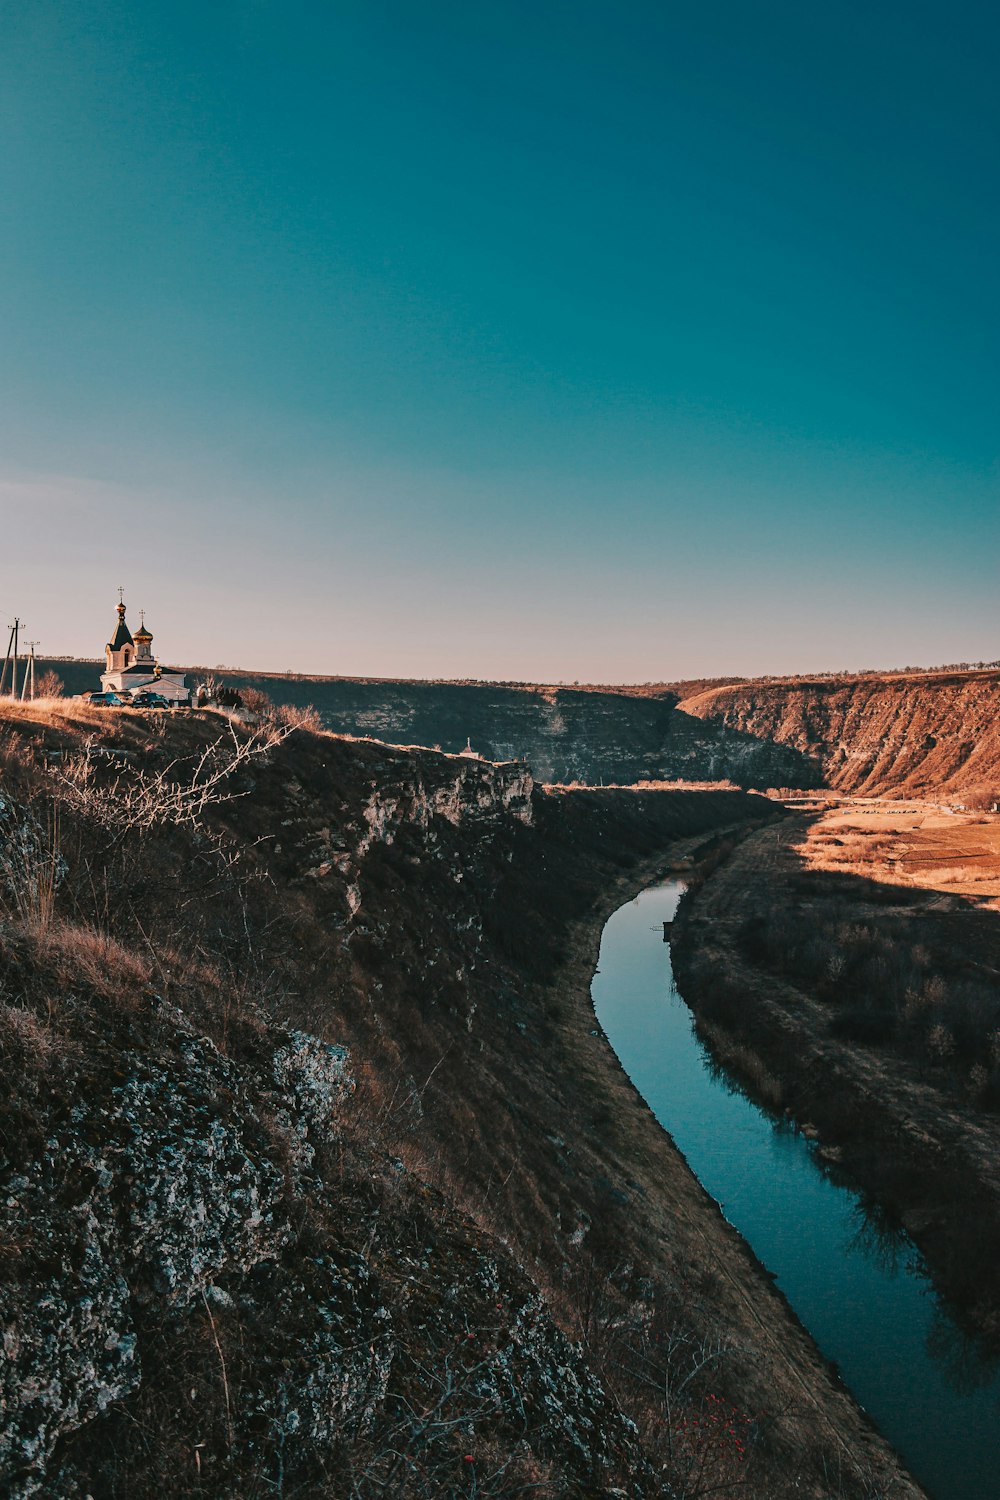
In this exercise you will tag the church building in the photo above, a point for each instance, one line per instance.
(132, 667)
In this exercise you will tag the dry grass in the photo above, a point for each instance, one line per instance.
(83, 954)
(51, 711)
(909, 845)
(27, 1042)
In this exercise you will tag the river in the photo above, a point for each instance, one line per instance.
(858, 1286)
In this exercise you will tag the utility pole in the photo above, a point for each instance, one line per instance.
(6, 662)
(29, 666)
(11, 654)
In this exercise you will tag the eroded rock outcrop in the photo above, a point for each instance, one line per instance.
(159, 1183)
(923, 733)
(165, 1207)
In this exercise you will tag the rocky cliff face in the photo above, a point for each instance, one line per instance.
(216, 1277)
(565, 735)
(918, 734)
(181, 1266)
(316, 1177)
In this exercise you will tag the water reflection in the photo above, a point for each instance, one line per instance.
(968, 1367)
(878, 1234)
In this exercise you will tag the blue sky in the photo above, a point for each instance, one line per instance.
(554, 341)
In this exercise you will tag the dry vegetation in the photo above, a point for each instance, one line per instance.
(915, 845)
(847, 969)
(871, 943)
(171, 877)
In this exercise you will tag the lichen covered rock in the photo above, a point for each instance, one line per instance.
(159, 1183)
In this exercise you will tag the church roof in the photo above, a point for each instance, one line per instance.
(147, 669)
(122, 636)
(144, 633)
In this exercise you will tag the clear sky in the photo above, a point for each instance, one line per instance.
(608, 341)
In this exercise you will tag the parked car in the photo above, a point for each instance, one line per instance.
(149, 700)
(106, 700)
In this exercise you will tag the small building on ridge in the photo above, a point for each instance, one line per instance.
(132, 667)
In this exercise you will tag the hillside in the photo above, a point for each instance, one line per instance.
(589, 735)
(319, 1178)
(919, 734)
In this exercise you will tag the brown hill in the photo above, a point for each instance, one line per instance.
(915, 734)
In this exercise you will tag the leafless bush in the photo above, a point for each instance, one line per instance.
(26, 1043)
(294, 717)
(180, 794)
(31, 866)
(49, 685)
(256, 701)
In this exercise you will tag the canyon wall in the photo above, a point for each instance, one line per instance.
(916, 734)
(589, 735)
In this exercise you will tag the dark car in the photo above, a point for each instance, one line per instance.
(106, 700)
(149, 700)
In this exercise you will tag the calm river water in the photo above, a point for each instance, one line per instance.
(859, 1289)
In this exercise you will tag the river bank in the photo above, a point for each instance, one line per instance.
(900, 1128)
(814, 1439)
(863, 1295)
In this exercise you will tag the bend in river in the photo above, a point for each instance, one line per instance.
(859, 1287)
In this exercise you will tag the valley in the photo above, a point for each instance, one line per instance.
(369, 965)
(316, 1161)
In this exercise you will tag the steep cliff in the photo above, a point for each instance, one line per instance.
(917, 734)
(317, 1176)
(589, 735)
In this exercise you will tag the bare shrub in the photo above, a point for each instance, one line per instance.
(179, 795)
(26, 1043)
(940, 1043)
(49, 685)
(293, 716)
(31, 866)
(256, 701)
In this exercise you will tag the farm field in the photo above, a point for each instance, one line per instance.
(951, 853)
